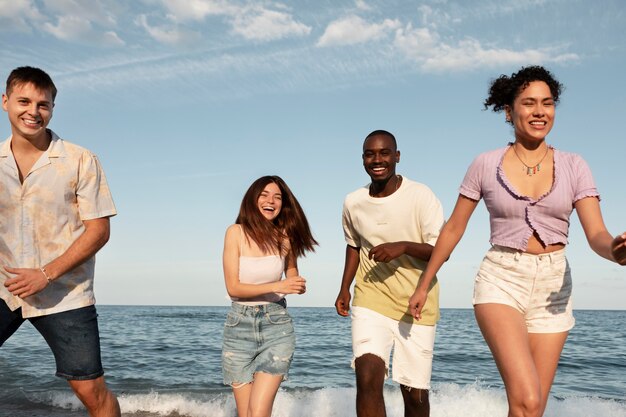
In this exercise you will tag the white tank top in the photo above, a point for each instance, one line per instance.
(260, 270)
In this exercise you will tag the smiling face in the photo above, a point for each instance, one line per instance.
(532, 113)
(270, 201)
(29, 110)
(380, 157)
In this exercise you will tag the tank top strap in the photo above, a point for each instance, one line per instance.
(243, 236)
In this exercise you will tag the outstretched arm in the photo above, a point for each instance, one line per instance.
(342, 304)
(448, 239)
(29, 281)
(599, 238)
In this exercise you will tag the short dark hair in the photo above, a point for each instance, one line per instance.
(381, 132)
(38, 77)
(505, 89)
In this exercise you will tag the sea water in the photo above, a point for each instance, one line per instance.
(165, 361)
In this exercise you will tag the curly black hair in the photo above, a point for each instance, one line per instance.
(505, 89)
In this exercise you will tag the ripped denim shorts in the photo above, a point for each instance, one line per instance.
(257, 338)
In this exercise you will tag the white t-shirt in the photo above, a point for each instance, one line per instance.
(412, 213)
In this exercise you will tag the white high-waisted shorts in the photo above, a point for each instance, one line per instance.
(538, 286)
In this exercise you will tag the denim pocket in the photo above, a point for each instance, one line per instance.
(278, 317)
(232, 319)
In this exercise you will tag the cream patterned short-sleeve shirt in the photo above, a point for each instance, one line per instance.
(41, 217)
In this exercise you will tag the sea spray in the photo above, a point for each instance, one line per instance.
(447, 400)
(167, 404)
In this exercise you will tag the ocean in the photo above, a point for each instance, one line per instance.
(165, 361)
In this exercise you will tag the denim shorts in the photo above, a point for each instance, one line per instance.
(71, 335)
(257, 338)
(538, 286)
(412, 345)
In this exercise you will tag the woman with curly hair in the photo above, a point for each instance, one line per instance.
(522, 293)
(270, 233)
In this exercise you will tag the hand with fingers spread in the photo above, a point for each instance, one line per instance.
(26, 282)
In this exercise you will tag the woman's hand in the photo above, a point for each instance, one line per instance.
(618, 249)
(291, 285)
(416, 303)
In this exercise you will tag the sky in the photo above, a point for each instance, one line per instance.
(186, 103)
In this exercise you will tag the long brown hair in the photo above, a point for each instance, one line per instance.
(291, 223)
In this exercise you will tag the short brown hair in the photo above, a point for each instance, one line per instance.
(38, 77)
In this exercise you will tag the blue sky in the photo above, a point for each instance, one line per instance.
(187, 102)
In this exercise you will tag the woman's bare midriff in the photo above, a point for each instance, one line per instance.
(535, 247)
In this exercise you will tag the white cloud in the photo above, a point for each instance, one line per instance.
(265, 25)
(80, 30)
(250, 21)
(198, 10)
(361, 5)
(94, 11)
(73, 20)
(430, 53)
(470, 54)
(436, 18)
(568, 57)
(417, 44)
(17, 15)
(354, 29)
(167, 35)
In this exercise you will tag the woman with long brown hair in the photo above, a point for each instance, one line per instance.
(270, 233)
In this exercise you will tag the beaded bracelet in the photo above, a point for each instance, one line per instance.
(45, 274)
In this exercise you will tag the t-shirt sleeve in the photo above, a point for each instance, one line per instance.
(350, 234)
(92, 191)
(585, 185)
(471, 185)
(431, 217)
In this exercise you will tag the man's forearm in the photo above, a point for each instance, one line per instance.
(95, 236)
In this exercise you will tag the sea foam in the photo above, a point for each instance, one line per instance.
(447, 400)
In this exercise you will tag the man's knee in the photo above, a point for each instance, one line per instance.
(370, 371)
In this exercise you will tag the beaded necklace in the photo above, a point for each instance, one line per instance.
(531, 170)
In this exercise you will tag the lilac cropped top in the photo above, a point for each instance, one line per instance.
(514, 217)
